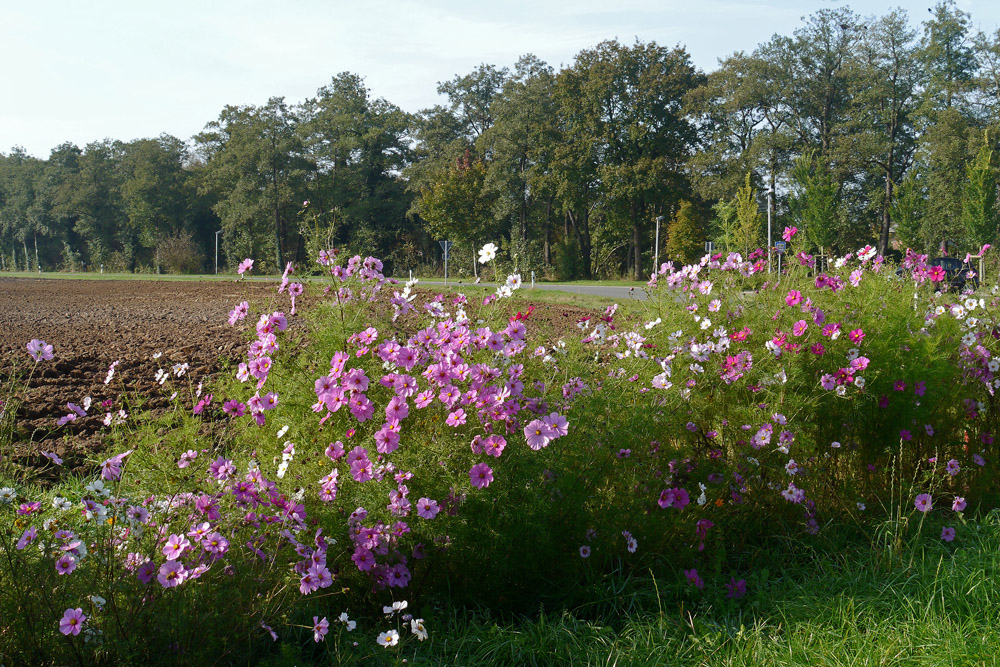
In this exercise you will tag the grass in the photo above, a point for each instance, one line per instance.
(859, 607)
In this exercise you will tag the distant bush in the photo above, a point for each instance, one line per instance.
(179, 254)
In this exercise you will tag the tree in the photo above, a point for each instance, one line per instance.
(748, 235)
(813, 201)
(685, 236)
(947, 56)
(979, 203)
(458, 206)
(908, 211)
(253, 161)
(884, 103)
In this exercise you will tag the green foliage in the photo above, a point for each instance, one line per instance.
(907, 212)
(979, 201)
(813, 202)
(749, 222)
(685, 236)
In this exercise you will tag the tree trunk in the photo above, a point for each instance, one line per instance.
(27, 257)
(636, 245)
(581, 225)
(547, 248)
(38, 267)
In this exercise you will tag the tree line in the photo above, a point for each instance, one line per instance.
(857, 130)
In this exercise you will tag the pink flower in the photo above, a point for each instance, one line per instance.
(481, 475)
(856, 336)
(953, 467)
(947, 533)
(585, 551)
(959, 504)
(244, 266)
(427, 508)
(923, 502)
(936, 274)
(72, 621)
(538, 434)
(175, 545)
(66, 564)
(27, 537)
(456, 418)
(320, 628)
(789, 233)
(39, 350)
(171, 574)
(793, 298)
(799, 328)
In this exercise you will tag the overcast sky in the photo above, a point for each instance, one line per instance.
(83, 71)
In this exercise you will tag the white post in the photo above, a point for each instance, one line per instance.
(770, 195)
(532, 280)
(217, 251)
(656, 249)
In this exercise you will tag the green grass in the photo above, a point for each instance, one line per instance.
(859, 607)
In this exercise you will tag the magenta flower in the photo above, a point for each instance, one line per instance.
(799, 328)
(735, 590)
(856, 336)
(481, 475)
(39, 350)
(72, 621)
(923, 502)
(789, 233)
(947, 533)
(694, 579)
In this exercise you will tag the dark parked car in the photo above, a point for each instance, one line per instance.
(956, 273)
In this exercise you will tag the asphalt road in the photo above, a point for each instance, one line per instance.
(610, 291)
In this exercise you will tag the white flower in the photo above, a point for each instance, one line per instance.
(7, 494)
(859, 383)
(504, 292)
(417, 627)
(97, 488)
(61, 503)
(970, 304)
(514, 281)
(282, 469)
(387, 639)
(157, 355)
(969, 339)
(282, 431)
(98, 601)
(488, 253)
(861, 506)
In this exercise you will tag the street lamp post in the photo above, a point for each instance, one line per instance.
(656, 251)
(217, 251)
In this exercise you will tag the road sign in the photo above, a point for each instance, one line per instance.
(709, 246)
(779, 247)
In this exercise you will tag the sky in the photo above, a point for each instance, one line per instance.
(85, 71)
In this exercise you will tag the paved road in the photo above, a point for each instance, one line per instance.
(615, 292)
(610, 291)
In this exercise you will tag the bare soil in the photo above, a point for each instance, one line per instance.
(92, 323)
